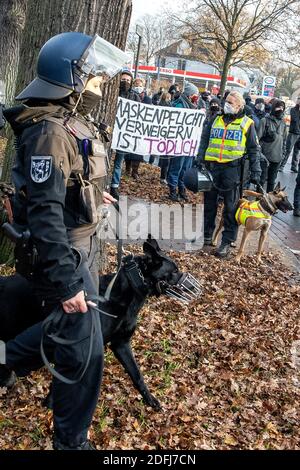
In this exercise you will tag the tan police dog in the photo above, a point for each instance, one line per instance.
(257, 215)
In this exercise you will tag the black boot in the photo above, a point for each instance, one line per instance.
(223, 250)
(296, 212)
(115, 193)
(58, 445)
(183, 195)
(173, 195)
(7, 377)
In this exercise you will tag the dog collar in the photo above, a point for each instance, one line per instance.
(267, 205)
(134, 275)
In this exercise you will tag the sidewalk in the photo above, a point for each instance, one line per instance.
(274, 245)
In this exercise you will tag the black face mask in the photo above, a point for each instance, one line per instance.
(278, 113)
(88, 101)
(124, 86)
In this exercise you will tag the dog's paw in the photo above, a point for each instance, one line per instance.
(150, 400)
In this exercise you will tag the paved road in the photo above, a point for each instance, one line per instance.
(286, 226)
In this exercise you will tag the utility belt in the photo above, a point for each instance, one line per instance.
(210, 164)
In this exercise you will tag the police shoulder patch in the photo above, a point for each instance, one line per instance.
(41, 167)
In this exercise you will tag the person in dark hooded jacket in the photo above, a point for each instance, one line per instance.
(272, 134)
(213, 111)
(132, 160)
(127, 92)
(259, 111)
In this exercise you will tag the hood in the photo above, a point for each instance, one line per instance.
(29, 113)
(276, 104)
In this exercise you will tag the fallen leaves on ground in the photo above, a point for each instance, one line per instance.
(149, 188)
(3, 142)
(222, 369)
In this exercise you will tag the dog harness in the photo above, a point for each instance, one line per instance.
(249, 209)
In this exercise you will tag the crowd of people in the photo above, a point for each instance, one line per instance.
(273, 142)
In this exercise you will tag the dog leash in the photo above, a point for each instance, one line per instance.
(58, 316)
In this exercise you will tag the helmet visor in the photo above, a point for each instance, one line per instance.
(102, 59)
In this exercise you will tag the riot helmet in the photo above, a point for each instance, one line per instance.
(68, 60)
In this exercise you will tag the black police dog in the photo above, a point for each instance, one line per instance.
(138, 278)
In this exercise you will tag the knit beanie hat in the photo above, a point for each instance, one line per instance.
(190, 89)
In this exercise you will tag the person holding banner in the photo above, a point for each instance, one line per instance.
(132, 161)
(127, 92)
(179, 165)
(224, 144)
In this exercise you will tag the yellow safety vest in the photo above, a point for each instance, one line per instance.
(249, 209)
(227, 143)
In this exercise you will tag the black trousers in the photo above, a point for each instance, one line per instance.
(269, 175)
(226, 177)
(164, 163)
(74, 405)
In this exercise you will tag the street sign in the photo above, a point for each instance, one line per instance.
(268, 87)
(139, 30)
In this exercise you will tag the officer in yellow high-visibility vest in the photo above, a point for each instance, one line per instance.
(225, 142)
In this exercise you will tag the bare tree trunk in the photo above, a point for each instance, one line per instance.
(12, 22)
(225, 70)
(45, 18)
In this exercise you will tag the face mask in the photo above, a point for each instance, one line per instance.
(260, 106)
(228, 108)
(88, 101)
(138, 89)
(205, 98)
(124, 86)
(214, 108)
(278, 113)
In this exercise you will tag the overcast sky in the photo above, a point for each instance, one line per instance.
(142, 7)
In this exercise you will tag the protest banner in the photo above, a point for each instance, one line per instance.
(157, 130)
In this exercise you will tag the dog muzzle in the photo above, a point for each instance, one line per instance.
(186, 290)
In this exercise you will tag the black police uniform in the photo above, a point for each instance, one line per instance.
(59, 165)
(227, 178)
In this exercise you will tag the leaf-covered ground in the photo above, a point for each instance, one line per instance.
(2, 149)
(149, 188)
(222, 369)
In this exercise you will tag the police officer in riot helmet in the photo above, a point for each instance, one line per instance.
(60, 163)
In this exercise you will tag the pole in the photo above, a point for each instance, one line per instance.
(137, 56)
(158, 69)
